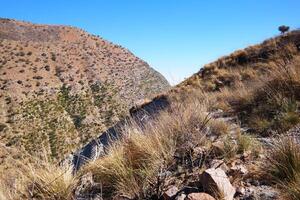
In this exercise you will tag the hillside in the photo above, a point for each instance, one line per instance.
(229, 132)
(60, 86)
(247, 64)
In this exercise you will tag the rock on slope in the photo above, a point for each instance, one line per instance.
(60, 86)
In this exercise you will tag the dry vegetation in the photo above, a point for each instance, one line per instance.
(283, 167)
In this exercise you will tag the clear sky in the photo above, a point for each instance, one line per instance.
(176, 37)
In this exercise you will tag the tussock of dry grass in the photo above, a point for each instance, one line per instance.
(283, 166)
(46, 181)
(248, 143)
(284, 160)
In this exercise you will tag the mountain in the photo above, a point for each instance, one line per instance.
(231, 131)
(61, 86)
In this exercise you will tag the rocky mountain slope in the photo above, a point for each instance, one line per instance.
(60, 86)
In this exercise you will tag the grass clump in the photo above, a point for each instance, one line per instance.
(47, 181)
(283, 166)
(132, 166)
(218, 127)
(248, 143)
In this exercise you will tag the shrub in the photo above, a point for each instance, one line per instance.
(283, 29)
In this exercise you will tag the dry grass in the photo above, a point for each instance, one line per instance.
(218, 127)
(292, 189)
(284, 160)
(46, 181)
(267, 104)
(134, 165)
(283, 166)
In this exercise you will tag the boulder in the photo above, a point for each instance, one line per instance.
(199, 196)
(216, 182)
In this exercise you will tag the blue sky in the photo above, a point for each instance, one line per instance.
(176, 37)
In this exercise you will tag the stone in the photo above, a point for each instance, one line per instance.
(200, 196)
(215, 163)
(265, 193)
(215, 181)
(170, 193)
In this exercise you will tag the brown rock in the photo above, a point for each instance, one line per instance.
(215, 181)
(199, 196)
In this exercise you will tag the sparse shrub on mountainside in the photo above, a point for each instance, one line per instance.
(46, 133)
(105, 94)
(75, 105)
